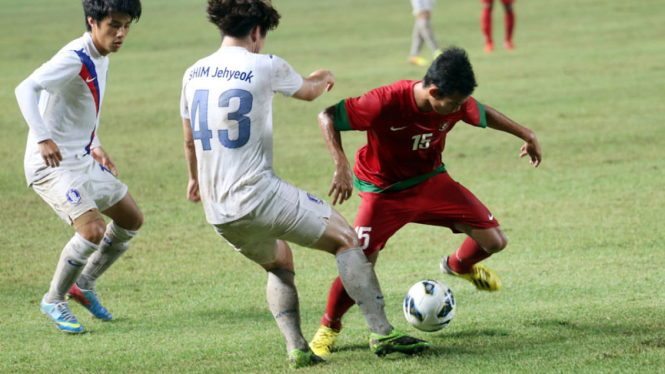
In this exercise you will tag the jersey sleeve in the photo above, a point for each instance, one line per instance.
(473, 113)
(283, 78)
(184, 107)
(358, 113)
(57, 72)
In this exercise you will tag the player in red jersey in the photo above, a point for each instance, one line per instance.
(402, 179)
(486, 24)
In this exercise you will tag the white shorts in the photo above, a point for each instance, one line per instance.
(289, 214)
(422, 6)
(72, 192)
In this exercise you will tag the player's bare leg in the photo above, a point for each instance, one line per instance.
(480, 244)
(126, 220)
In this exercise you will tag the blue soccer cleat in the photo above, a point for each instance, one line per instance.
(63, 318)
(89, 300)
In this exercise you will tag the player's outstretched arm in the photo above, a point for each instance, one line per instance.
(190, 156)
(342, 183)
(313, 86)
(531, 147)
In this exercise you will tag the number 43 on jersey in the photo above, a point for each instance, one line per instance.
(200, 106)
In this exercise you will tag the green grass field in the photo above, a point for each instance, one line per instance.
(583, 274)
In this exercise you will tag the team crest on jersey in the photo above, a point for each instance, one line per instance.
(314, 198)
(74, 197)
(444, 126)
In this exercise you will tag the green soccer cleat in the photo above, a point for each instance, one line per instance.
(299, 358)
(323, 341)
(396, 341)
(481, 276)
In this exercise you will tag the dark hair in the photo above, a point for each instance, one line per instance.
(237, 18)
(99, 9)
(451, 72)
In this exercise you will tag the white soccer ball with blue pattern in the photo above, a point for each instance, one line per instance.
(429, 305)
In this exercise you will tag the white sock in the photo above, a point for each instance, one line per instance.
(416, 41)
(72, 260)
(360, 282)
(283, 303)
(115, 243)
(427, 33)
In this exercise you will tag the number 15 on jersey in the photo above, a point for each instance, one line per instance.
(200, 106)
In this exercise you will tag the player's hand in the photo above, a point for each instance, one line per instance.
(326, 76)
(103, 158)
(532, 148)
(330, 82)
(50, 153)
(193, 190)
(342, 184)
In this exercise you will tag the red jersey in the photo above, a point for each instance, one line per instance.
(404, 144)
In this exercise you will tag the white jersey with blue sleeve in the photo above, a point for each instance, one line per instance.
(227, 96)
(73, 84)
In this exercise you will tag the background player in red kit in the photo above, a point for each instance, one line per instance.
(402, 179)
(486, 24)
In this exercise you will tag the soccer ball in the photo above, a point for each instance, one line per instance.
(429, 305)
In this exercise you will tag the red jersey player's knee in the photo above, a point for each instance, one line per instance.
(495, 242)
(491, 240)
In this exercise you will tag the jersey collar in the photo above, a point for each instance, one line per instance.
(94, 53)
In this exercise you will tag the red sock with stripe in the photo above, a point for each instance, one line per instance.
(339, 302)
(469, 254)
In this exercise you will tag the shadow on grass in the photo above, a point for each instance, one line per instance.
(554, 331)
(602, 327)
(237, 316)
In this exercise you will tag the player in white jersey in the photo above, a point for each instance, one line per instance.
(67, 166)
(226, 108)
(422, 32)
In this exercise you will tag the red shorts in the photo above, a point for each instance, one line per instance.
(438, 201)
(505, 2)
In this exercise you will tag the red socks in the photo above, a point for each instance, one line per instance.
(469, 254)
(339, 302)
(486, 24)
(509, 21)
